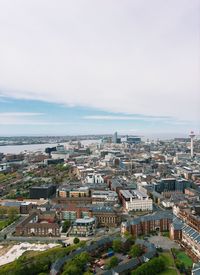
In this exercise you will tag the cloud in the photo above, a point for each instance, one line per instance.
(36, 123)
(113, 117)
(131, 56)
(19, 114)
(24, 118)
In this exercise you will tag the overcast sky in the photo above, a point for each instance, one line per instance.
(118, 59)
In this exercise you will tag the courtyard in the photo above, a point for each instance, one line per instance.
(163, 242)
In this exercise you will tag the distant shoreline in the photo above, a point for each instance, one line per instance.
(33, 147)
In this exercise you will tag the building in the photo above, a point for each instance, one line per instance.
(158, 221)
(106, 216)
(53, 161)
(5, 168)
(135, 200)
(185, 228)
(84, 227)
(191, 240)
(69, 192)
(82, 191)
(26, 207)
(171, 185)
(14, 157)
(72, 212)
(61, 153)
(176, 229)
(72, 200)
(189, 215)
(42, 192)
(101, 197)
(196, 269)
(133, 139)
(114, 139)
(94, 178)
(37, 224)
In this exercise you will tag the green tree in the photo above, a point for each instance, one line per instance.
(135, 251)
(112, 262)
(180, 265)
(72, 269)
(12, 213)
(66, 226)
(152, 267)
(129, 237)
(77, 264)
(2, 212)
(76, 240)
(82, 259)
(117, 245)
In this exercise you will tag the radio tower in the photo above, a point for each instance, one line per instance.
(192, 136)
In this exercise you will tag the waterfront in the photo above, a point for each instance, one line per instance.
(16, 149)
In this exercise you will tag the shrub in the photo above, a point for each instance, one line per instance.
(76, 240)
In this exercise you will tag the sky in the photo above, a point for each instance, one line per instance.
(96, 67)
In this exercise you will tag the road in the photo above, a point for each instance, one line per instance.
(63, 239)
(11, 228)
(8, 231)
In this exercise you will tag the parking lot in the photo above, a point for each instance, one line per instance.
(163, 242)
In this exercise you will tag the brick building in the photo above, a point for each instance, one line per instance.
(158, 221)
(37, 224)
(105, 215)
(185, 228)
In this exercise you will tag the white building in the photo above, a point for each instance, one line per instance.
(60, 155)
(100, 197)
(136, 200)
(94, 178)
(4, 167)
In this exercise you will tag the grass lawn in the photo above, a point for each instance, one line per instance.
(169, 271)
(165, 234)
(3, 223)
(6, 222)
(184, 258)
(167, 258)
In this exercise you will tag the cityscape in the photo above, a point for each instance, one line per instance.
(115, 203)
(100, 137)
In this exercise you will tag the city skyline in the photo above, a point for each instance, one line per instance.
(80, 68)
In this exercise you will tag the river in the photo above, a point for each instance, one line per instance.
(16, 149)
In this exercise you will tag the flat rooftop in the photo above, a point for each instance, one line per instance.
(126, 194)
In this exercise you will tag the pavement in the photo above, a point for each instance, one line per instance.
(163, 242)
(9, 230)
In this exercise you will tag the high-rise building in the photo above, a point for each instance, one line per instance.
(115, 137)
